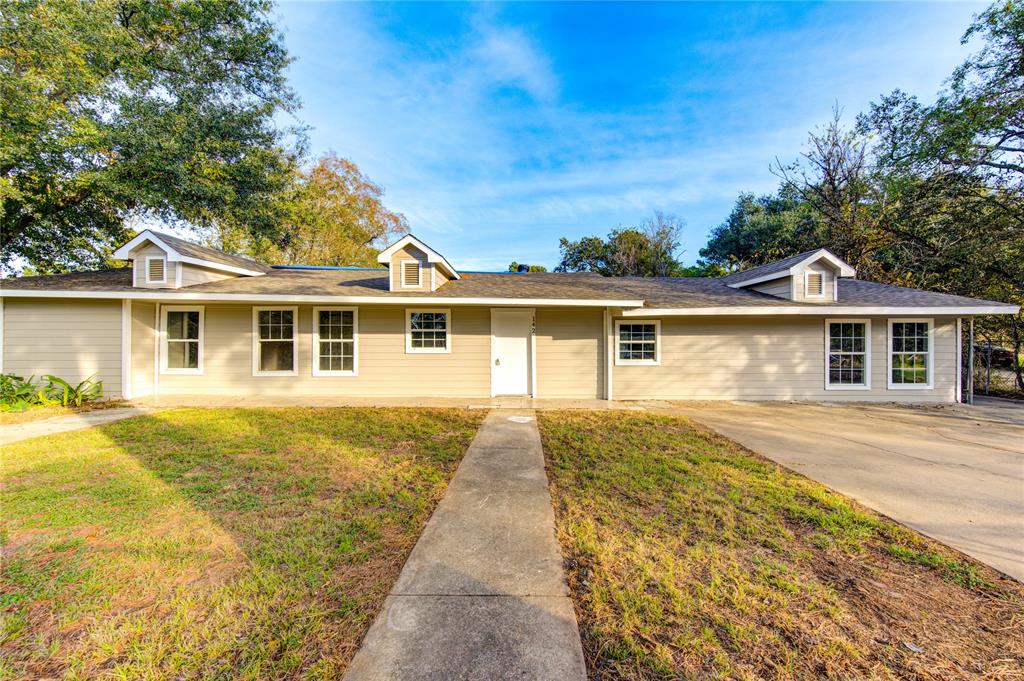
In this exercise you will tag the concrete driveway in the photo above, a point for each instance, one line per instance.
(955, 473)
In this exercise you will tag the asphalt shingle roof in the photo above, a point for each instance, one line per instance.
(779, 266)
(192, 250)
(655, 292)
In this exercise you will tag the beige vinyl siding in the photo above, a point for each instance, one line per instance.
(780, 288)
(570, 352)
(771, 358)
(384, 367)
(828, 276)
(405, 254)
(144, 329)
(70, 338)
(192, 274)
(139, 256)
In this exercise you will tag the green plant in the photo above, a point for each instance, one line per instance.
(73, 395)
(18, 394)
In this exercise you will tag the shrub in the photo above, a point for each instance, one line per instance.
(18, 393)
(66, 394)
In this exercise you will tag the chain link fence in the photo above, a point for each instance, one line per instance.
(996, 365)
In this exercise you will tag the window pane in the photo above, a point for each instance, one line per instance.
(276, 356)
(182, 354)
(175, 324)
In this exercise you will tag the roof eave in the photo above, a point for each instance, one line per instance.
(180, 294)
(822, 310)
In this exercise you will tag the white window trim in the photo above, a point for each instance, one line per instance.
(150, 280)
(867, 354)
(256, 340)
(164, 310)
(657, 344)
(409, 349)
(317, 371)
(929, 362)
(807, 282)
(401, 274)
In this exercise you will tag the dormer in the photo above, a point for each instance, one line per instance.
(164, 261)
(414, 267)
(810, 277)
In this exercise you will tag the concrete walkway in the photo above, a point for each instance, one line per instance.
(483, 594)
(60, 424)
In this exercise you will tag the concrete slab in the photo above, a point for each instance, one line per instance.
(62, 424)
(955, 473)
(471, 638)
(487, 544)
(483, 594)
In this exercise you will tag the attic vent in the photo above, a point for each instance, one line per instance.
(815, 285)
(156, 270)
(410, 274)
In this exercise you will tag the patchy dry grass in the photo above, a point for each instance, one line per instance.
(229, 543)
(691, 557)
(41, 413)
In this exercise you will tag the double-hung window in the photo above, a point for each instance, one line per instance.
(182, 331)
(910, 353)
(334, 341)
(637, 342)
(848, 353)
(428, 331)
(274, 341)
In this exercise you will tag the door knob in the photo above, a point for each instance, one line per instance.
(497, 362)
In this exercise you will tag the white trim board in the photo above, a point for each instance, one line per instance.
(325, 299)
(126, 349)
(818, 310)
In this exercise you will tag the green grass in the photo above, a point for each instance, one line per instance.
(215, 544)
(690, 557)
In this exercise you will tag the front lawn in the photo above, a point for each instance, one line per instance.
(691, 557)
(227, 543)
(10, 417)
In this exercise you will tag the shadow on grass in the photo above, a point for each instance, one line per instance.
(227, 542)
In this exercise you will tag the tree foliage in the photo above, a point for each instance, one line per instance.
(330, 214)
(523, 267)
(930, 196)
(115, 108)
(646, 250)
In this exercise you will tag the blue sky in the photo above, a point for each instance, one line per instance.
(496, 129)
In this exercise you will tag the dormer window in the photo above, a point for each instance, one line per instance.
(411, 274)
(814, 285)
(156, 270)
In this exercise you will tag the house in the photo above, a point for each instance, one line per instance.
(184, 319)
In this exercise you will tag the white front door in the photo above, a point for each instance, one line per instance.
(510, 352)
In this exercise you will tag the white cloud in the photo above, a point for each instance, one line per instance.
(475, 140)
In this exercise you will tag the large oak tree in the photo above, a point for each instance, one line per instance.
(117, 108)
